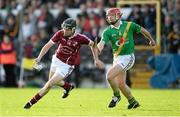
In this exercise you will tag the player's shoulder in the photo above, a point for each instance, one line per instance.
(81, 35)
(107, 29)
(59, 33)
(125, 22)
(132, 23)
(78, 34)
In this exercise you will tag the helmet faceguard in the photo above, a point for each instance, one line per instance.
(69, 25)
(113, 15)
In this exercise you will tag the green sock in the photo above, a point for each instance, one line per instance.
(117, 94)
(131, 100)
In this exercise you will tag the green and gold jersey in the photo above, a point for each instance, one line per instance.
(115, 36)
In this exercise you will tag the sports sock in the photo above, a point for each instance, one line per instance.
(35, 99)
(66, 85)
(131, 100)
(117, 94)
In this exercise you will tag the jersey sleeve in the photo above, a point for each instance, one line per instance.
(135, 27)
(56, 37)
(105, 36)
(84, 40)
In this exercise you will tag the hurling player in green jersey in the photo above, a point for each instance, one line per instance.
(120, 34)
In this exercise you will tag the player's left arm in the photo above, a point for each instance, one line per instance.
(148, 36)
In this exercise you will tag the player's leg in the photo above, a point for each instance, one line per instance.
(64, 70)
(126, 61)
(65, 85)
(56, 78)
(51, 73)
(121, 79)
(126, 91)
(111, 75)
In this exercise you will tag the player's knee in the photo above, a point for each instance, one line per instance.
(109, 76)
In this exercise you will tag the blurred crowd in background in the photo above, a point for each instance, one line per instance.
(38, 29)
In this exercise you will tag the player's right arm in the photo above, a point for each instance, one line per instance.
(100, 46)
(44, 50)
(55, 39)
(104, 40)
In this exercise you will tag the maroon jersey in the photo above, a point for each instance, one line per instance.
(68, 48)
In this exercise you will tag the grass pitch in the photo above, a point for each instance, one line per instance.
(89, 102)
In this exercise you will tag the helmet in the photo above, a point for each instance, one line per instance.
(115, 12)
(69, 23)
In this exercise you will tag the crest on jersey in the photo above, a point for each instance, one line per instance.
(66, 50)
(119, 41)
(72, 43)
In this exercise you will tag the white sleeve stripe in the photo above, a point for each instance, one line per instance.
(52, 41)
(89, 42)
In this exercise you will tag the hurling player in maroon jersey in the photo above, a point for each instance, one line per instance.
(63, 61)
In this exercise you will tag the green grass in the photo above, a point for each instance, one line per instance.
(89, 102)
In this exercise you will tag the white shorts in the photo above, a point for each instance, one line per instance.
(62, 68)
(125, 61)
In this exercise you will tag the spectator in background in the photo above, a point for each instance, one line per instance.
(8, 60)
(13, 4)
(11, 27)
(75, 3)
(42, 40)
(174, 39)
(94, 29)
(176, 12)
(111, 3)
(27, 27)
(36, 4)
(50, 5)
(166, 29)
(80, 23)
(28, 49)
(90, 4)
(168, 25)
(1, 28)
(45, 19)
(2, 4)
(102, 26)
(149, 19)
(61, 16)
(100, 7)
(136, 15)
(83, 10)
(170, 6)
